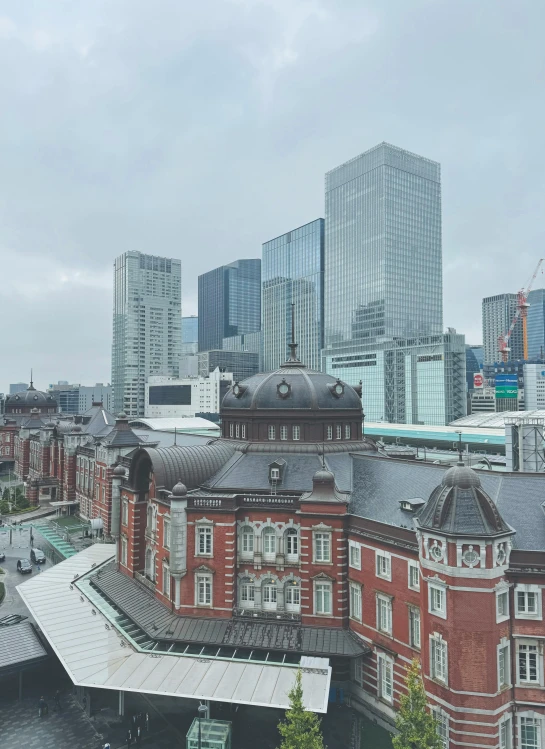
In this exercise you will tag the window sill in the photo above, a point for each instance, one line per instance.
(207, 556)
(439, 681)
(528, 617)
(385, 634)
(438, 614)
(325, 616)
(382, 577)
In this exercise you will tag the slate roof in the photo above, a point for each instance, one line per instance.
(193, 464)
(159, 623)
(20, 646)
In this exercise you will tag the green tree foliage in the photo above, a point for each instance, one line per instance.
(301, 728)
(416, 725)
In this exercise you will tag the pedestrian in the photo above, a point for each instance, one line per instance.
(128, 738)
(134, 721)
(138, 735)
(42, 707)
(146, 718)
(107, 745)
(58, 700)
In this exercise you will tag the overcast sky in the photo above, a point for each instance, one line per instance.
(199, 130)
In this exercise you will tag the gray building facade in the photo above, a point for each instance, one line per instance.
(242, 364)
(536, 324)
(498, 314)
(383, 256)
(17, 387)
(293, 273)
(229, 302)
(146, 326)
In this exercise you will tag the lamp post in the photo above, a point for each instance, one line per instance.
(202, 710)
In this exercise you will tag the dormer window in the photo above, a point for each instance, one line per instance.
(275, 474)
(337, 389)
(238, 390)
(411, 505)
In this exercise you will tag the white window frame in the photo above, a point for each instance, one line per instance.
(124, 546)
(247, 586)
(347, 431)
(437, 599)
(358, 671)
(231, 430)
(247, 532)
(293, 591)
(166, 533)
(204, 579)
(524, 590)
(383, 564)
(413, 568)
(283, 432)
(323, 588)
(269, 533)
(321, 543)
(505, 732)
(538, 720)
(438, 655)
(530, 647)
(354, 555)
(243, 430)
(504, 664)
(166, 580)
(415, 627)
(329, 432)
(339, 432)
(271, 432)
(355, 601)
(204, 532)
(443, 727)
(124, 512)
(237, 430)
(296, 433)
(384, 614)
(385, 678)
(502, 604)
(292, 539)
(269, 590)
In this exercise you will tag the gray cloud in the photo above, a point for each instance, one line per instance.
(201, 130)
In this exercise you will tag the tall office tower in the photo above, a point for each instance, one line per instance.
(229, 302)
(383, 262)
(474, 364)
(17, 387)
(498, 314)
(146, 326)
(293, 273)
(190, 329)
(536, 324)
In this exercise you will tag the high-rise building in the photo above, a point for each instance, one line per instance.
(293, 273)
(17, 387)
(383, 259)
(229, 302)
(474, 363)
(190, 329)
(252, 342)
(168, 397)
(77, 399)
(536, 324)
(146, 326)
(498, 314)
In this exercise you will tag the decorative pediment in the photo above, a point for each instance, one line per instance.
(323, 576)
(322, 527)
(203, 568)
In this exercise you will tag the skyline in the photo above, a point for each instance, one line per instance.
(103, 154)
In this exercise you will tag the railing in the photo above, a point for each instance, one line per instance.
(146, 582)
(264, 615)
(266, 499)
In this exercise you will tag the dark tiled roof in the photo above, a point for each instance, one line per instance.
(159, 623)
(192, 464)
(251, 472)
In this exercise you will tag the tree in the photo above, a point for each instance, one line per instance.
(416, 725)
(301, 728)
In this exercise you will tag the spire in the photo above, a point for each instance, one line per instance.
(293, 345)
(31, 386)
(460, 459)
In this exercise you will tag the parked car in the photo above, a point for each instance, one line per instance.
(24, 566)
(2, 556)
(37, 556)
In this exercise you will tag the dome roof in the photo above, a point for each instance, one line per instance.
(31, 398)
(179, 490)
(293, 386)
(119, 471)
(460, 506)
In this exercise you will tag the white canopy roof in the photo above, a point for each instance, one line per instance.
(180, 423)
(95, 653)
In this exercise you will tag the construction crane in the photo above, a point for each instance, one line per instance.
(522, 312)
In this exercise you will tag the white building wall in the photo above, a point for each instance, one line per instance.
(205, 395)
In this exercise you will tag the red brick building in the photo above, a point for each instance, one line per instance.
(297, 531)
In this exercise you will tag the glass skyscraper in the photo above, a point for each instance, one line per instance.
(190, 329)
(229, 302)
(383, 257)
(146, 326)
(536, 324)
(498, 314)
(292, 272)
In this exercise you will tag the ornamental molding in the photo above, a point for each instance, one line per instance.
(322, 576)
(203, 568)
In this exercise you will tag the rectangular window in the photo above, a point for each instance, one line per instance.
(322, 594)
(166, 534)
(385, 678)
(269, 545)
(528, 663)
(244, 431)
(247, 540)
(442, 726)
(530, 733)
(124, 552)
(355, 601)
(358, 671)
(230, 430)
(237, 431)
(384, 614)
(283, 433)
(355, 555)
(502, 605)
(293, 598)
(414, 576)
(347, 431)
(438, 659)
(272, 432)
(505, 734)
(330, 432)
(322, 547)
(204, 541)
(247, 594)
(296, 433)
(414, 627)
(504, 675)
(204, 590)
(528, 602)
(166, 581)
(437, 600)
(292, 546)
(339, 432)
(384, 566)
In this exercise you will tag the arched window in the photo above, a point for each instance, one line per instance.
(292, 545)
(269, 545)
(246, 593)
(247, 542)
(293, 596)
(268, 594)
(148, 564)
(150, 518)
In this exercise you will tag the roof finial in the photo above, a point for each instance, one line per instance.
(460, 459)
(31, 386)
(293, 345)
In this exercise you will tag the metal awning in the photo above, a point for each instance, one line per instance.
(20, 647)
(96, 654)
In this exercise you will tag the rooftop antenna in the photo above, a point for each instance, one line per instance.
(293, 345)
(460, 460)
(31, 387)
